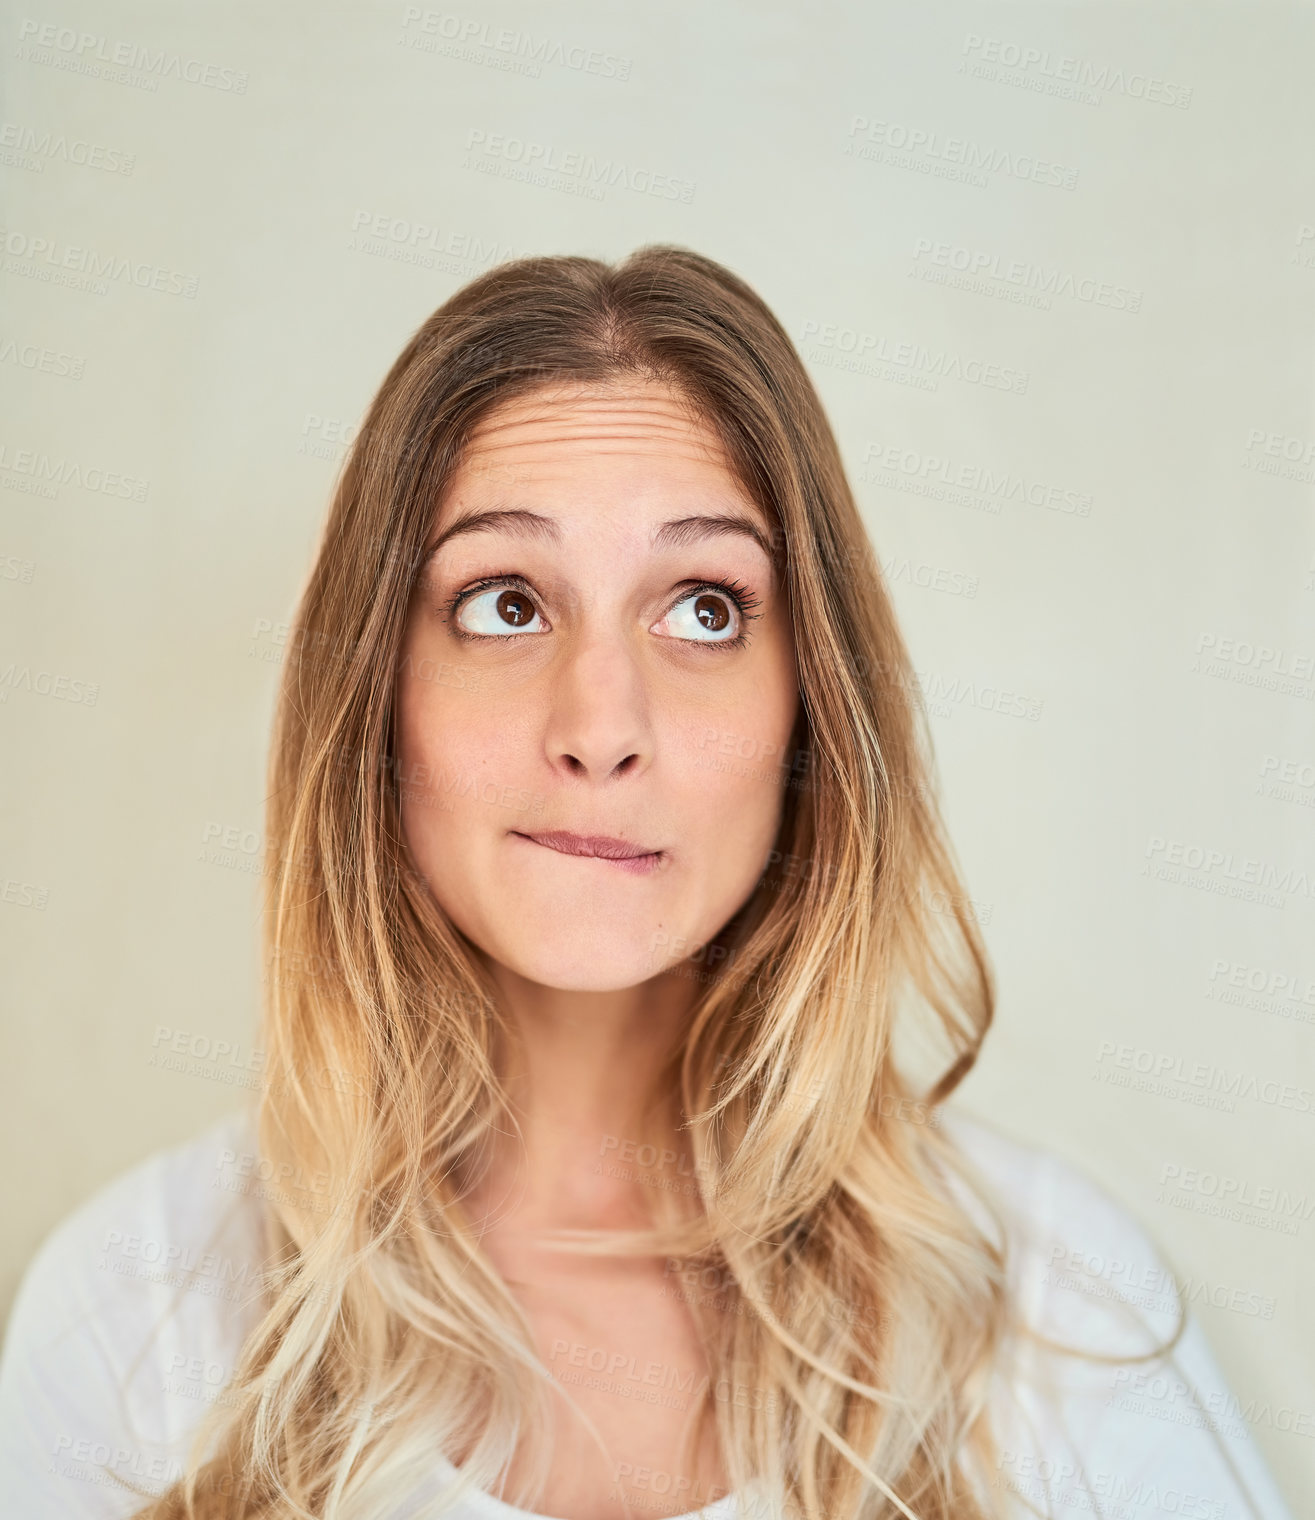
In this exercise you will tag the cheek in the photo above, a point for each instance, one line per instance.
(460, 787)
(734, 775)
(439, 741)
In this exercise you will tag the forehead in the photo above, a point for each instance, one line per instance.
(563, 428)
(577, 458)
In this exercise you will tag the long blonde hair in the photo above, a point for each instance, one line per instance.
(855, 1297)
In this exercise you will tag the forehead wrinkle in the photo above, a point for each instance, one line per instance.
(552, 442)
(513, 416)
(662, 415)
(663, 423)
(601, 398)
(625, 422)
(667, 442)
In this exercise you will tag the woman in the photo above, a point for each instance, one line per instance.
(619, 974)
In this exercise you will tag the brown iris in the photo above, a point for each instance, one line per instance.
(711, 613)
(514, 608)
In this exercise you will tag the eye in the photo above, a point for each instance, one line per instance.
(715, 614)
(492, 608)
(711, 613)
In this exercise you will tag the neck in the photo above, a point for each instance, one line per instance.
(583, 1074)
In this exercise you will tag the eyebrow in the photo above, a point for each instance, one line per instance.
(520, 522)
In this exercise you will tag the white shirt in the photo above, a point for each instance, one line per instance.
(130, 1316)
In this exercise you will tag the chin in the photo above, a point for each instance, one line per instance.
(584, 961)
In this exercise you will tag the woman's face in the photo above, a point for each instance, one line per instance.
(575, 662)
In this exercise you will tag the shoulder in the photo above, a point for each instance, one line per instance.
(1078, 1258)
(127, 1322)
(156, 1225)
(1109, 1391)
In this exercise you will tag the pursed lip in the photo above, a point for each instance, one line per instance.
(600, 845)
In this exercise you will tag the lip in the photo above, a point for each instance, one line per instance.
(621, 853)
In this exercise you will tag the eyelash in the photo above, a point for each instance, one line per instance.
(743, 598)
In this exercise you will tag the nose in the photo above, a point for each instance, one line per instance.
(597, 720)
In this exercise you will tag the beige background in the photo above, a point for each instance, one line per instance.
(174, 426)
